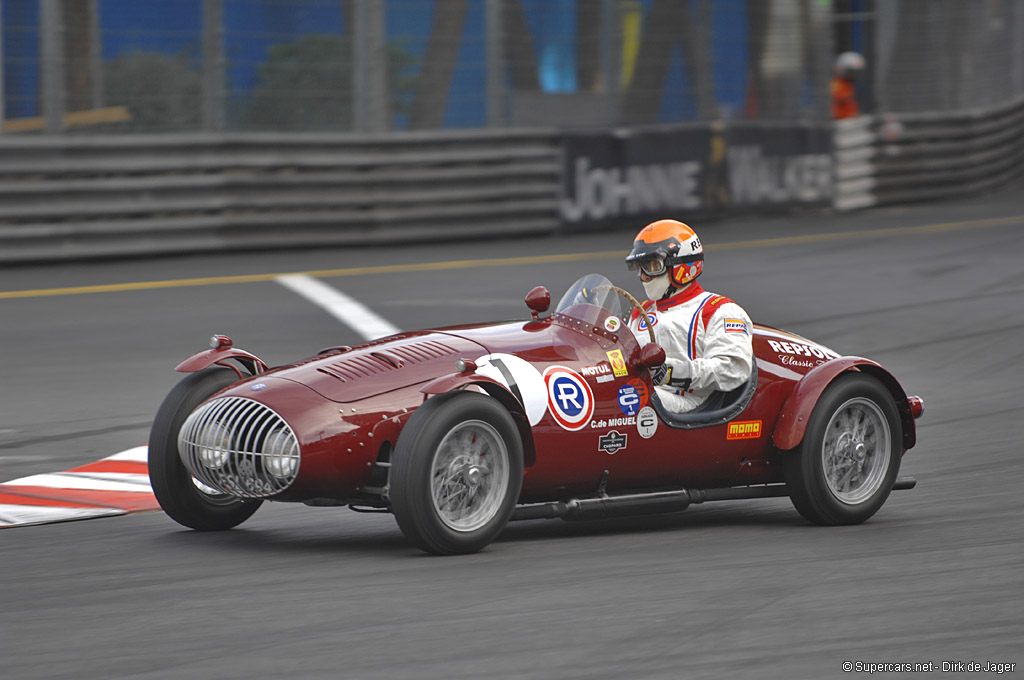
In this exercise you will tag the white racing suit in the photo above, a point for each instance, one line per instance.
(707, 342)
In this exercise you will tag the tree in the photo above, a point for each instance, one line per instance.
(161, 91)
(307, 85)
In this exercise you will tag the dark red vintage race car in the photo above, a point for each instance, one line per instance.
(457, 431)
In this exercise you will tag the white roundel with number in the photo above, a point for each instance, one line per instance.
(522, 380)
(569, 397)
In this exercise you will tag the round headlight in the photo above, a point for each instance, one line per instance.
(281, 454)
(215, 445)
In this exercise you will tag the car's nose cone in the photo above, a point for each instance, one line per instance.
(240, 447)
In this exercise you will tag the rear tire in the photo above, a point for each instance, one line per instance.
(847, 463)
(456, 473)
(173, 485)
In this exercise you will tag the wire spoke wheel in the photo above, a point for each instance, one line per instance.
(856, 450)
(469, 475)
(847, 463)
(456, 473)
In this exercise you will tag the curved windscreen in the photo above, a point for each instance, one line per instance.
(592, 299)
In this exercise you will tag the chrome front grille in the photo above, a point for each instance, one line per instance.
(240, 447)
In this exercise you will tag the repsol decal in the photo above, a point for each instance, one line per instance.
(801, 355)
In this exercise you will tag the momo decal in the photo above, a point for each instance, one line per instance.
(647, 422)
(612, 442)
(618, 363)
(632, 397)
(569, 398)
(750, 429)
(612, 324)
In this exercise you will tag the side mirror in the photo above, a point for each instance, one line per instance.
(538, 300)
(652, 354)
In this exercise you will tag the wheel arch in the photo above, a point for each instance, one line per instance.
(796, 410)
(493, 388)
(227, 357)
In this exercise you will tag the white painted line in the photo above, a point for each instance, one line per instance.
(106, 481)
(140, 454)
(20, 515)
(347, 310)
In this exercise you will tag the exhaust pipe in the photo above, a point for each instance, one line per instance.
(653, 503)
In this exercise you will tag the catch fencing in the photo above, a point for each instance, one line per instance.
(393, 65)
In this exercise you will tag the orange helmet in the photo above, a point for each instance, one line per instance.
(667, 246)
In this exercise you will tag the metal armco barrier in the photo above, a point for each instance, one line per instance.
(65, 198)
(78, 197)
(924, 156)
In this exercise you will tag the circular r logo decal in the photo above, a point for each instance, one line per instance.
(569, 397)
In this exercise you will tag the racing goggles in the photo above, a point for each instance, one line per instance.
(652, 266)
(656, 266)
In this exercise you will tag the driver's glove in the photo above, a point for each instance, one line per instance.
(672, 373)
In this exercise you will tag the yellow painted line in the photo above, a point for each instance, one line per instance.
(504, 261)
(324, 273)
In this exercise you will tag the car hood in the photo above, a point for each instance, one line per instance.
(383, 366)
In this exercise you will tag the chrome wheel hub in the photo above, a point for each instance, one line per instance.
(469, 476)
(856, 451)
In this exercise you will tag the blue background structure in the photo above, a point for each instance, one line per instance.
(174, 27)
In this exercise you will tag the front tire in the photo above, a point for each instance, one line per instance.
(846, 465)
(182, 497)
(456, 473)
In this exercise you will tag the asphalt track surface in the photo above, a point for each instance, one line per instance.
(745, 589)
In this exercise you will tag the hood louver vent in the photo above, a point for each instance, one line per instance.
(378, 363)
(378, 367)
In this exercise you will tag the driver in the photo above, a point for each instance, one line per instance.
(706, 337)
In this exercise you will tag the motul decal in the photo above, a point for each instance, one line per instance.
(750, 429)
(600, 369)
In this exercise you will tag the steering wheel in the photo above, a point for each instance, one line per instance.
(636, 304)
